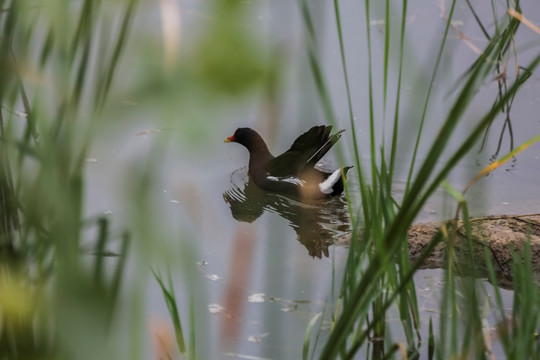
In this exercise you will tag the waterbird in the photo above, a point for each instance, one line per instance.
(294, 172)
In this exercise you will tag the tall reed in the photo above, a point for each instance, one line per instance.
(379, 274)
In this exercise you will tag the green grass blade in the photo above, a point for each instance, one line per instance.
(373, 151)
(171, 302)
(431, 340)
(118, 47)
(398, 91)
(120, 266)
(357, 160)
(386, 59)
(103, 235)
(428, 95)
(307, 337)
(192, 353)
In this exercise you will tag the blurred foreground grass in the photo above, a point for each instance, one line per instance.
(64, 292)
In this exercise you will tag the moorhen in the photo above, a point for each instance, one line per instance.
(293, 173)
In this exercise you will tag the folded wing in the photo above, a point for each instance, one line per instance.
(305, 152)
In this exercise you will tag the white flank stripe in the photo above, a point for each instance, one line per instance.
(326, 185)
(291, 180)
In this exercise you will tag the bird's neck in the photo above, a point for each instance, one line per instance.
(259, 154)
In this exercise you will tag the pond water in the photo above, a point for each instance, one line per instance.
(261, 266)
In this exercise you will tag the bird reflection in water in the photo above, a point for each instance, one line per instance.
(316, 224)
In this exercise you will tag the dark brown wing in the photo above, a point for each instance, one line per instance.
(305, 152)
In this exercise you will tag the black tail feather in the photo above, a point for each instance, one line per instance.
(314, 159)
